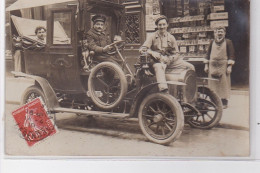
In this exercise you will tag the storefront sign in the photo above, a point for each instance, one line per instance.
(219, 8)
(186, 19)
(215, 24)
(216, 16)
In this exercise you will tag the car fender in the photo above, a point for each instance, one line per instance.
(51, 98)
(145, 91)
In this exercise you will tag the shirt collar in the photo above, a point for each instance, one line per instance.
(157, 34)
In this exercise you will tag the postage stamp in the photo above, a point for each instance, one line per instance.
(34, 121)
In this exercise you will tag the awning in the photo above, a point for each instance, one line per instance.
(20, 4)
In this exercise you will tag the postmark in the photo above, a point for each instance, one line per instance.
(34, 122)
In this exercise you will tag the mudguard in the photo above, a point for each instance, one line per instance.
(51, 99)
(145, 91)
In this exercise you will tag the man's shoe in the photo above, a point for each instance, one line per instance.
(165, 90)
(225, 106)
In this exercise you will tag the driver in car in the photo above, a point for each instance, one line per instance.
(162, 46)
(98, 41)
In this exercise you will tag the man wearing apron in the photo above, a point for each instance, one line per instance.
(220, 59)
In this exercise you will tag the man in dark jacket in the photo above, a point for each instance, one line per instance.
(98, 41)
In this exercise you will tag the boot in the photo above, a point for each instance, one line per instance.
(225, 103)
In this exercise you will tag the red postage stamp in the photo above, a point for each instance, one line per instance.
(34, 122)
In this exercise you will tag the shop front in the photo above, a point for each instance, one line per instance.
(192, 23)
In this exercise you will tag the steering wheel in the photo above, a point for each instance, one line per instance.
(118, 45)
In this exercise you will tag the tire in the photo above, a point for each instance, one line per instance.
(160, 118)
(210, 107)
(32, 93)
(107, 95)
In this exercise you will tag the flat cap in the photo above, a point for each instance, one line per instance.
(220, 27)
(98, 18)
(161, 17)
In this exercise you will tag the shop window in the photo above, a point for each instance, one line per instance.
(132, 32)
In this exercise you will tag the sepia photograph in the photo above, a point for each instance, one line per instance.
(127, 79)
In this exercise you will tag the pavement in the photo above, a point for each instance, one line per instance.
(236, 116)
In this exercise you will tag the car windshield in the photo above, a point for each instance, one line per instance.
(26, 29)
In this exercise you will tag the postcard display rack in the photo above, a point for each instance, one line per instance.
(192, 23)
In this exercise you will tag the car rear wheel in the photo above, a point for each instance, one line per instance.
(32, 93)
(107, 85)
(210, 108)
(161, 118)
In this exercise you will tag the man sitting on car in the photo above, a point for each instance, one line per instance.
(162, 46)
(98, 41)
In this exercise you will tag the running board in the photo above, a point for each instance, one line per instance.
(95, 113)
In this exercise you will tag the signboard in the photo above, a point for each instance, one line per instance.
(219, 8)
(215, 24)
(217, 16)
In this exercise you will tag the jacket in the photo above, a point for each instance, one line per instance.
(96, 40)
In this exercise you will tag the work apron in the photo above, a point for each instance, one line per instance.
(218, 70)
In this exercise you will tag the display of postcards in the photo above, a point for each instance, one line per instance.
(201, 11)
(193, 23)
(178, 37)
(202, 34)
(193, 35)
(201, 49)
(183, 49)
(203, 41)
(203, 23)
(186, 13)
(186, 35)
(206, 48)
(185, 29)
(201, 4)
(191, 49)
(186, 24)
(193, 11)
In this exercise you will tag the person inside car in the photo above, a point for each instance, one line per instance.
(162, 46)
(40, 32)
(98, 41)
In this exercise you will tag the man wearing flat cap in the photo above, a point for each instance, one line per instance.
(162, 46)
(98, 40)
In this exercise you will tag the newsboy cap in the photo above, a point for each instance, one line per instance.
(98, 18)
(220, 27)
(161, 17)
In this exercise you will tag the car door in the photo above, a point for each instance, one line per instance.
(62, 41)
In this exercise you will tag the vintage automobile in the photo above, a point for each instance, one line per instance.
(108, 89)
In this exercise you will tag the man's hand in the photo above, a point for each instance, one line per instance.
(164, 59)
(107, 48)
(206, 68)
(156, 55)
(143, 50)
(85, 53)
(229, 69)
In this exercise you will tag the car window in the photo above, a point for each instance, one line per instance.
(62, 28)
